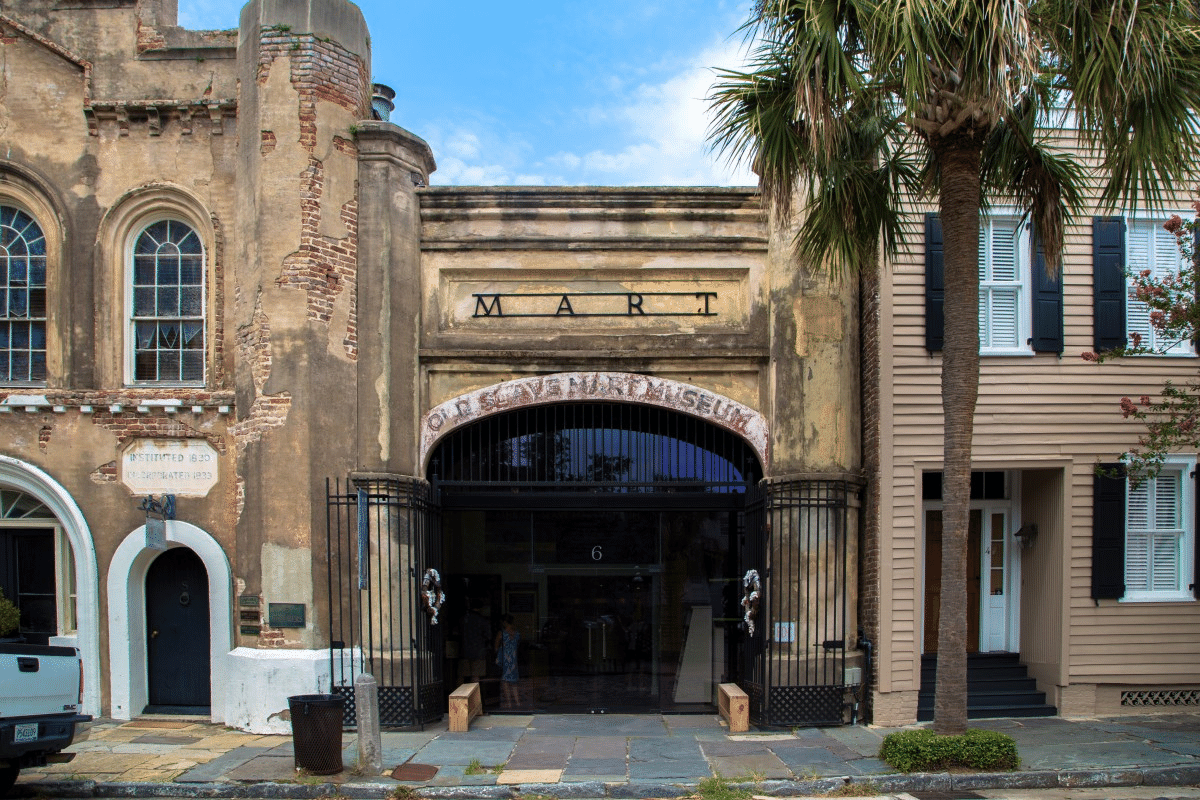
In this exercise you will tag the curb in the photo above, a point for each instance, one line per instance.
(1183, 775)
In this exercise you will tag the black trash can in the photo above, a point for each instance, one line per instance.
(317, 732)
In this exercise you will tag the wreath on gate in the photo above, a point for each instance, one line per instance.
(432, 594)
(751, 592)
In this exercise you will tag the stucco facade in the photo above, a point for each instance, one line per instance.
(250, 290)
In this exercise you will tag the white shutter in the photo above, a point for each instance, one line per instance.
(1003, 259)
(1137, 509)
(1005, 318)
(1154, 534)
(1137, 562)
(1000, 277)
(1137, 255)
(1166, 501)
(1149, 246)
(1164, 562)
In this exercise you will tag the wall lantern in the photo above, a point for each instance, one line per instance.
(1027, 535)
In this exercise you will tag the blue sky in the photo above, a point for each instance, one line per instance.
(550, 93)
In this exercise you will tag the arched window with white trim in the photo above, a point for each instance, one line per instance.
(22, 298)
(167, 314)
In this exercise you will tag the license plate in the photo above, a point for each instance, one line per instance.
(25, 732)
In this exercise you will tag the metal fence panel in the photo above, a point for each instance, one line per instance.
(384, 551)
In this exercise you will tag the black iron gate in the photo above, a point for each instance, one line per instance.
(385, 595)
(797, 554)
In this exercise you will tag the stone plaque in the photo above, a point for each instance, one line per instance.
(285, 615)
(185, 467)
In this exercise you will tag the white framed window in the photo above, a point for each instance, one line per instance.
(167, 305)
(1004, 286)
(37, 567)
(22, 298)
(1149, 246)
(1159, 531)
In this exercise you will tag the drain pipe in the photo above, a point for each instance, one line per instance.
(868, 651)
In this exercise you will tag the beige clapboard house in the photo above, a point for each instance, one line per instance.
(1090, 582)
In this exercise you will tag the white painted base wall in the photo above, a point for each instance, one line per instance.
(261, 681)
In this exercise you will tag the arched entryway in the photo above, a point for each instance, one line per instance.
(39, 510)
(608, 536)
(129, 617)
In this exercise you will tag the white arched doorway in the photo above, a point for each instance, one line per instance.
(29, 479)
(127, 615)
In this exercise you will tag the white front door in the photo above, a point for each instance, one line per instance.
(996, 601)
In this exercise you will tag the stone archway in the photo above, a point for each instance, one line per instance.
(33, 481)
(127, 615)
(625, 387)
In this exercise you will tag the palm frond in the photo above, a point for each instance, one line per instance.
(1023, 162)
(1132, 69)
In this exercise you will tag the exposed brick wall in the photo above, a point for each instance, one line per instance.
(149, 38)
(218, 301)
(321, 70)
(271, 638)
(266, 411)
(324, 266)
(128, 426)
(871, 526)
(105, 473)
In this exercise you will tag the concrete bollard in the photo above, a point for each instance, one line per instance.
(366, 706)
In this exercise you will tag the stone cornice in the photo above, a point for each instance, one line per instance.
(154, 113)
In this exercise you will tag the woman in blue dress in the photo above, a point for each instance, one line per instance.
(506, 656)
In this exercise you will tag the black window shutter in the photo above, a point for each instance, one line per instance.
(1047, 305)
(1108, 293)
(935, 285)
(1108, 533)
(1196, 536)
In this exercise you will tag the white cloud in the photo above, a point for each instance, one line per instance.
(667, 125)
(662, 126)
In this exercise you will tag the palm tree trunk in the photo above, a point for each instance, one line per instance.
(958, 158)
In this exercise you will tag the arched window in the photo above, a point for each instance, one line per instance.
(168, 308)
(22, 298)
(37, 568)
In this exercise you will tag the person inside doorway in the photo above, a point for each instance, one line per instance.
(507, 641)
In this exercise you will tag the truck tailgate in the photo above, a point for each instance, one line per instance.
(38, 680)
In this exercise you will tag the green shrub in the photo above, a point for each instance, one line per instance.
(10, 616)
(925, 751)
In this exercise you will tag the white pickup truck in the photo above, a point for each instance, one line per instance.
(41, 689)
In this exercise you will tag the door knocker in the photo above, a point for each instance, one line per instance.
(432, 594)
(751, 592)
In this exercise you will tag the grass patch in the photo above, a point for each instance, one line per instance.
(720, 788)
(405, 793)
(855, 789)
(477, 768)
(925, 751)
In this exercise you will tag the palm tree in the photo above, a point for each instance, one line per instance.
(853, 108)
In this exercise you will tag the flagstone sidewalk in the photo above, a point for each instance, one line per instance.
(586, 756)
